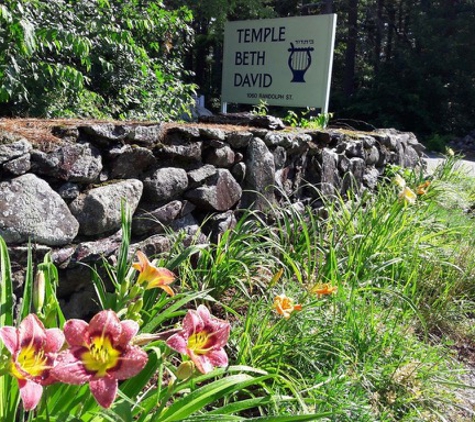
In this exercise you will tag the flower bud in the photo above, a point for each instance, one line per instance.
(137, 306)
(39, 291)
(185, 370)
(135, 291)
(124, 287)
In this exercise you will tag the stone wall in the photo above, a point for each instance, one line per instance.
(64, 192)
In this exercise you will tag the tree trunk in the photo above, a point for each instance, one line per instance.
(350, 54)
(378, 36)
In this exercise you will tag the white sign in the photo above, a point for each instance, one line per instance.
(284, 62)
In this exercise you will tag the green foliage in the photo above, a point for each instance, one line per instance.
(93, 59)
(307, 121)
(261, 109)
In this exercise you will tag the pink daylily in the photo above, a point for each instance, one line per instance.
(100, 353)
(202, 339)
(33, 352)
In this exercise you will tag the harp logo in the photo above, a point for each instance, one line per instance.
(299, 61)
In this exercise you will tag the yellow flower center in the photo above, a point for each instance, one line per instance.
(29, 361)
(197, 342)
(100, 356)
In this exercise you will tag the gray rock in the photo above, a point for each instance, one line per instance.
(217, 224)
(239, 139)
(372, 155)
(165, 184)
(212, 133)
(69, 190)
(411, 158)
(99, 210)
(200, 175)
(9, 151)
(220, 157)
(90, 252)
(280, 157)
(371, 177)
(18, 166)
(330, 182)
(355, 149)
(145, 135)
(260, 176)
(130, 161)
(220, 194)
(146, 222)
(75, 163)
(239, 172)
(31, 209)
(153, 246)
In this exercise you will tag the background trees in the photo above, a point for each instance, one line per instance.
(408, 64)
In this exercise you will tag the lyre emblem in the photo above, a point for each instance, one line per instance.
(299, 62)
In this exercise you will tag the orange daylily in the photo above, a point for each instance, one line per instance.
(285, 305)
(423, 187)
(153, 276)
(322, 289)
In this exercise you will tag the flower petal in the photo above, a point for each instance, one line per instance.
(69, 368)
(158, 276)
(167, 289)
(130, 363)
(104, 390)
(54, 340)
(218, 357)
(76, 332)
(32, 330)
(204, 313)
(143, 261)
(106, 322)
(30, 393)
(202, 362)
(192, 323)
(9, 336)
(129, 329)
(178, 342)
(220, 337)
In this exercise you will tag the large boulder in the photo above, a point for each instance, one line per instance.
(99, 210)
(31, 209)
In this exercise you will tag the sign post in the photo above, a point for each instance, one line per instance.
(284, 62)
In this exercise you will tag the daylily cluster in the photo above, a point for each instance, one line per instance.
(285, 305)
(406, 194)
(105, 350)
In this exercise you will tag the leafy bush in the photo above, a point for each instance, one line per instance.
(93, 59)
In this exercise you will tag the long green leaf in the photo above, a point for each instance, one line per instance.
(9, 394)
(203, 396)
(6, 294)
(293, 418)
(27, 286)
